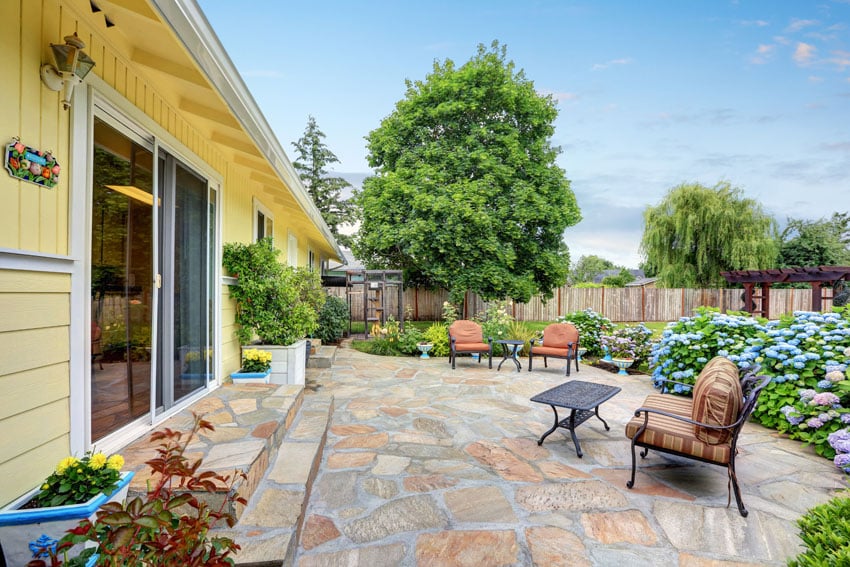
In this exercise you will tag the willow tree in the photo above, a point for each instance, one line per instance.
(467, 196)
(696, 232)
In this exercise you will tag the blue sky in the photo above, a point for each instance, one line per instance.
(651, 94)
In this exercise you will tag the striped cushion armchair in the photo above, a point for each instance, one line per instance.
(705, 427)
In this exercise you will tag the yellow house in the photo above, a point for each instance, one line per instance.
(115, 312)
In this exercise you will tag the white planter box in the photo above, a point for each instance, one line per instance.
(19, 527)
(288, 362)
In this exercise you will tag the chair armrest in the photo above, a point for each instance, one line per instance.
(647, 410)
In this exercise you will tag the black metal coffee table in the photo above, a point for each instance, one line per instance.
(582, 399)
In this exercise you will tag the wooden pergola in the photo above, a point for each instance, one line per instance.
(759, 304)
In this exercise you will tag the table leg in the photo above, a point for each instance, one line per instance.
(573, 432)
(554, 427)
(596, 409)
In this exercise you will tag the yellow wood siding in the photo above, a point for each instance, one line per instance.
(231, 353)
(32, 217)
(34, 376)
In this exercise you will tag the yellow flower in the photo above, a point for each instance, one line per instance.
(45, 486)
(97, 461)
(115, 462)
(65, 464)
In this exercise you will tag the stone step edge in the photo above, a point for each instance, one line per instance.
(324, 357)
(255, 471)
(286, 556)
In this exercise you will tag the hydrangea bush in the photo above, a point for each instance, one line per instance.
(632, 341)
(807, 354)
(687, 345)
(591, 328)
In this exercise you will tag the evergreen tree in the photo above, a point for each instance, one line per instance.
(311, 164)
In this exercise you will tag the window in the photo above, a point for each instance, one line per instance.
(263, 221)
(292, 251)
(311, 260)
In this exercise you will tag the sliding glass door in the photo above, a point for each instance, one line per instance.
(152, 260)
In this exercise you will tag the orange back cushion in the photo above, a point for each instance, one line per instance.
(560, 335)
(465, 331)
(717, 399)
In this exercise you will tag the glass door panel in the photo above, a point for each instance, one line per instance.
(121, 280)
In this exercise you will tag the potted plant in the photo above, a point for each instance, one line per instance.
(169, 525)
(74, 490)
(256, 367)
(622, 351)
(276, 306)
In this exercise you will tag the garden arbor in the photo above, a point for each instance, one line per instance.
(759, 303)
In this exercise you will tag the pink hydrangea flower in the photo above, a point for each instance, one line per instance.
(825, 399)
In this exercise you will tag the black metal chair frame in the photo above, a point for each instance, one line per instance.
(752, 386)
(571, 355)
(453, 353)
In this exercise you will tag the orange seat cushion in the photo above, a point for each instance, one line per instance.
(718, 399)
(549, 351)
(471, 347)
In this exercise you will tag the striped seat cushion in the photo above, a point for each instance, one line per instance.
(670, 433)
(717, 400)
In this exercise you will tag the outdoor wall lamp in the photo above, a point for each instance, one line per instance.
(72, 66)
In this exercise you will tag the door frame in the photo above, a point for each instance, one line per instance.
(102, 100)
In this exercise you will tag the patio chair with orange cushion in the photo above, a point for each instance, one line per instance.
(466, 337)
(704, 428)
(560, 340)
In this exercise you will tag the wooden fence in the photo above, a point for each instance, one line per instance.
(630, 304)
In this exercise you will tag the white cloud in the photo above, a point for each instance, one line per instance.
(755, 23)
(841, 59)
(763, 54)
(782, 40)
(621, 61)
(815, 79)
(798, 24)
(804, 53)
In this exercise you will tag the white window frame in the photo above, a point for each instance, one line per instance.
(260, 208)
(292, 250)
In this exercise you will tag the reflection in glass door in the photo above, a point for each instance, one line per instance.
(121, 280)
(131, 218)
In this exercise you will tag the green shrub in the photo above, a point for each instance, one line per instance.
(495, 321)
(520, 331)
(438, 335)
(408, 339)
(825, 531)
(333, 320)
(591, 326)
(279, 304)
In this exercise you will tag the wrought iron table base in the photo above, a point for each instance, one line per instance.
(577, 417)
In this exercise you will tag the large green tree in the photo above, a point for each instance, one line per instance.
(466, 195)
(823, 242)
(696, 232)
(313, 159)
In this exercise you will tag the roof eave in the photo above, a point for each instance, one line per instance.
(193, 30)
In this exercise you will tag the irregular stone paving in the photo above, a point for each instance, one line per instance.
(429, 466)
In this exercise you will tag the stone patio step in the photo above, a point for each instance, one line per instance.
(323, 357)
(269, 530)
(250, 422)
